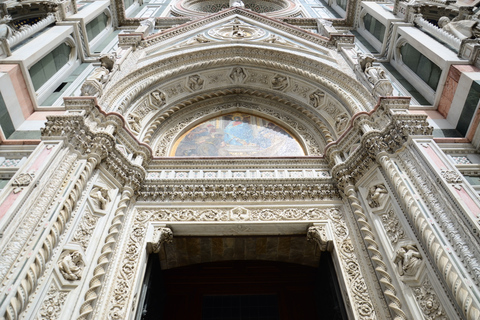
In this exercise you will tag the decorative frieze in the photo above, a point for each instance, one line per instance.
(239, 192)
(84, 232)
(392, 227)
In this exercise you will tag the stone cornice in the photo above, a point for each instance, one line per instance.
(98, 143)
(385, 129)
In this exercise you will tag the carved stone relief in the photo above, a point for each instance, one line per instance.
(21, 181)
(377, 194)
(52, 305)
(428, 301)
(451, 176)
(195, 82)
(157, 98)
(237, 30)
(161, 235)
(279, 40)
(100, 196)
(408, 260)
(134, 122)
(341, 122)
(362, 305)
(85, 230)
(279, 82)
(238, 75)
(71, 265)
(392, 227)
(317, 98)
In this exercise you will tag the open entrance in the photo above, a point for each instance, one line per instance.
(242, 290)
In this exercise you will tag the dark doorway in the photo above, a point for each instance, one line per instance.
(242, 290)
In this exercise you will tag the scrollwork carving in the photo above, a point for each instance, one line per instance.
(428, 301)
(52, 305)
(392, 226)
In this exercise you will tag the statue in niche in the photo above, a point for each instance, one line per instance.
(376, 195)
(100, 196)
(134, 122)
(462, 29)
(158, 98)
(408, 260)
(279, 82)
(317, 98)
(237, 3)
(195, 82)
(71, 265)
(238, 75)
(341, 122)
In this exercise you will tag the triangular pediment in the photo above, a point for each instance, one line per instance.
(241, 27)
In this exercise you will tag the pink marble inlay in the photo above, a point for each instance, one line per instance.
(469, 202)
(434, 157)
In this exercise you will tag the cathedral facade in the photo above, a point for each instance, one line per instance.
(276, 159)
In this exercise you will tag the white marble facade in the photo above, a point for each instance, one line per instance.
(102, 190)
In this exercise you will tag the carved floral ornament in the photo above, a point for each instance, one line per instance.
(357, 288)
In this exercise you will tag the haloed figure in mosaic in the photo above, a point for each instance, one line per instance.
(237, 134)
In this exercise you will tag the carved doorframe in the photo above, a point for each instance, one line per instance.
(150, 227)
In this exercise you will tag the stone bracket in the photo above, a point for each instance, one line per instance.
(322, 234)
(156, 238)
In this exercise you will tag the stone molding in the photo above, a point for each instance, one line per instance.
(128, 273)
(451, 277)
(124, 91)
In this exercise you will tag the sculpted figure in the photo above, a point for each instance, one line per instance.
(279, 82)
(71, 266)
(316, 98)
(462, 29)
(158, 98)
(100, 196)
(376, 195)
(93, 85)
(134, 122)
(200, 38)
(237, 3)
(341, 122)
(408, 260)
(238, 75)
(5, 30)
(195, 82)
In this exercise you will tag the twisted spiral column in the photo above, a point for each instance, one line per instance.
(29, 283)
(468, 304)
(107, 249)
(380, 267)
